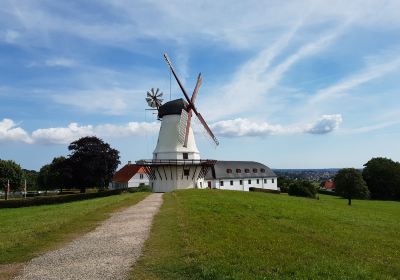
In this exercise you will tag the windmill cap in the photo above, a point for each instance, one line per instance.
(173, 107)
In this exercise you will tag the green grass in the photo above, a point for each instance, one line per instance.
(203, 234)
(27, 232)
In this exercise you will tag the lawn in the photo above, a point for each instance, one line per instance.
(27, 232)
(212, 234)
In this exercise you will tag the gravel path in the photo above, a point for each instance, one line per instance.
(107, 252)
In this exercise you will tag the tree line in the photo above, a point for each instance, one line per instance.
(90, 164)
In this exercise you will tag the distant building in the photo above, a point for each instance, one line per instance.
(129, 176)
(240, 176)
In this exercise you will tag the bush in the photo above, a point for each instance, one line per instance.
(302, 188)
(56, 199)
(252, 189)
(142, 188)
(327, 192)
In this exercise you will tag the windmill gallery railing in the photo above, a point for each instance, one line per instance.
(156, 167)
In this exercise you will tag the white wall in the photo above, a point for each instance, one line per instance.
(171, 179)
(264, 183)
(136, 180)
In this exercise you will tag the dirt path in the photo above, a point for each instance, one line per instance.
(108, 252)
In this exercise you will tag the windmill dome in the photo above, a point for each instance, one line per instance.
(173, 107)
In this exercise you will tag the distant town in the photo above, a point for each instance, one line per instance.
(317, 175)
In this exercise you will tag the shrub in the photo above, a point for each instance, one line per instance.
(143, 188)
(55, 199)
(302, 188)
(252, 189)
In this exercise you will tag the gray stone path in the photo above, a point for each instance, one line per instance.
(107, 252)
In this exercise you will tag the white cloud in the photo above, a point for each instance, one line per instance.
(10, 132)
(244, 127)
(65, 135)
(373, 71)
(60, 62)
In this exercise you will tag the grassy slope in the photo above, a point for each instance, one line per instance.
(201, 234)
(26, 232)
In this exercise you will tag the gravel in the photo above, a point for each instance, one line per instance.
(108, 252)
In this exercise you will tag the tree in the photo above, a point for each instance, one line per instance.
(31, 179)
(93, 162)
(55, 175)
(350, 184)
(43, 178)
(12, 172)
(382, 176)
(302, 188)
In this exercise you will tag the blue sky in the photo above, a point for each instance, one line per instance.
(292, 84)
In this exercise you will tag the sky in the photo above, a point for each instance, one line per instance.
(291, 84)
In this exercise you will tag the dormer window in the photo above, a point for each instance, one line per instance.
(255, 170)
(238, 170)
(262, 170)
(247, 170)
(229, 170)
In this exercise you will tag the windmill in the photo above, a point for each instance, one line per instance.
(176, 162)
(191, 107)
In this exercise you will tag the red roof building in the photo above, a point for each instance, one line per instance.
(129, 176)
(329, 185)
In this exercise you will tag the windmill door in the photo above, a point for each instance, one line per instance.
(209, 184)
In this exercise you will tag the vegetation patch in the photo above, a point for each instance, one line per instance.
(213, 234)
(27, 232)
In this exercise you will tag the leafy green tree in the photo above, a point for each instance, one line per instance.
(43, 178)
(31, 179)
(93, 162)
(302, 188)
(350, 184)
(382, 176)
(9, 170)
(284, 183)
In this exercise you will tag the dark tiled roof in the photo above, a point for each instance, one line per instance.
(127, 172)
(173, 107)
(220, 170)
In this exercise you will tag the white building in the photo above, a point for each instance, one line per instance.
(129, 176)
(174, 166)
(240, 176)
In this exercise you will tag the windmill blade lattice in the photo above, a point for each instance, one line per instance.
(153, 98)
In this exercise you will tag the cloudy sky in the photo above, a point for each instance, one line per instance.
(292, 84)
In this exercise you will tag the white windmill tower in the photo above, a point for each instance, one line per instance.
(176, 162)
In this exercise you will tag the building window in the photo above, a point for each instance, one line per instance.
(273, 180)
(258, 181)
(249, 182)
(229, 170)
(265, 181)
(141, 176)
(262, 170)
(231, 183)
(241, 182)
(185, 156)
(238, 171)
(255, 170)
(221, 183)
(186, 172)
(247, 170)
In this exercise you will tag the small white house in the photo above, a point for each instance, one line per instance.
(129, 176)
(240, 176)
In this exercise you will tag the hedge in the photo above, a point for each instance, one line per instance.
(327, 192)
(44, 200)
(253, 189)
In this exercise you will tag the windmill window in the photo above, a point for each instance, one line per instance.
(185, 156)
(241, 182)
(255, 170)
(249, 182)
(231, 183)
(262, 170)
(238, 171)
(221, 183)
(186, 172)
(258, 181)
(247, 170)
(201, 184)
(229, 170)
